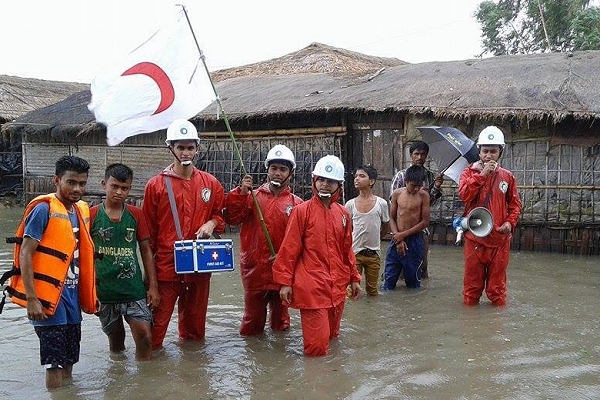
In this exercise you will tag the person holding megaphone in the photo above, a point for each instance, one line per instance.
(484, 184)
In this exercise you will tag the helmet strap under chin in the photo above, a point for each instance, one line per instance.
(174, 155)
(286, 181)
(177, 158)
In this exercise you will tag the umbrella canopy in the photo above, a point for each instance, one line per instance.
(451, 150)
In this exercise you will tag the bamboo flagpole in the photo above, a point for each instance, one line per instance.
(231, 135)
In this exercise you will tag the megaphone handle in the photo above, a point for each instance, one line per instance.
(459, 235)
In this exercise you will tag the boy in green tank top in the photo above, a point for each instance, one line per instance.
(117, 229)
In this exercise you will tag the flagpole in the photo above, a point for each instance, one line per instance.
(231, 135)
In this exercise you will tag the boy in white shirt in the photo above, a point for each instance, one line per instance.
(370, 221)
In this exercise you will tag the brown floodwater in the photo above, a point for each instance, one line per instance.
(404, 344)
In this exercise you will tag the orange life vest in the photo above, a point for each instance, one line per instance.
(53, 256)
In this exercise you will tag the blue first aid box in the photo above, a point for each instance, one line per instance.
(203, 255)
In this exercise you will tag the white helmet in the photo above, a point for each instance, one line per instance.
(491, 135)
(181, 129)
(329, 167)
(280, 152)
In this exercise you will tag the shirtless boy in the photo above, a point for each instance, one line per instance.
(409, 215)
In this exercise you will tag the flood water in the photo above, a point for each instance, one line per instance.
(402, 345)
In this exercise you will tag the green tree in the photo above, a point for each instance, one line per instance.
(586, 29)
(531, 26)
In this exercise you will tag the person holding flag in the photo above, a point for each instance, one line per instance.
(181, 203)
(276, 202)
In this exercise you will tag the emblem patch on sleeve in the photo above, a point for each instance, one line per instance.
(206, 193)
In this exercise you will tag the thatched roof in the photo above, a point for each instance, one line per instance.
(526, 86)
(530, 87)
(314, 58)
(18, 96)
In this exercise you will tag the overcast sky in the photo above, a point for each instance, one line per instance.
(73, 40)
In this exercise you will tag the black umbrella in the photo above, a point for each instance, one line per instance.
(451, 150)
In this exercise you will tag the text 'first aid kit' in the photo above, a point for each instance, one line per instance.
(203, 255)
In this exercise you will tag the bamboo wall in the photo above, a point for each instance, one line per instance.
(10, 166)
(558, 183)
(216, 155)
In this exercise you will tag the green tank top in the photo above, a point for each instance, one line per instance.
(118, 275)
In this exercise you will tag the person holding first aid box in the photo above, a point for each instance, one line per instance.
(181, 203)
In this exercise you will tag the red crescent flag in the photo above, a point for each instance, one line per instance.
(161, 80)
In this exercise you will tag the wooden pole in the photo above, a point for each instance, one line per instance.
(235, 146)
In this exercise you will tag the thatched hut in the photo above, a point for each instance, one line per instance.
(19, 96)
(547, 104)
(69, 127)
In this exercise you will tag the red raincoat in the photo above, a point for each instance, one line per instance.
(316, 257)
(317, 261)
(255, 266)
(260, 292)
(486, 258)
(198, 200)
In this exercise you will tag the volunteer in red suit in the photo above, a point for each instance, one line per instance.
(276, 202)
(199, 199)
(486, 184)
(315, 263)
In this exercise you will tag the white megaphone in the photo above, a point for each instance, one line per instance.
(479, 222)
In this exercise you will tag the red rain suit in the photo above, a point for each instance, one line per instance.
(486, 258)
(259, 289)
(317, 261)
(198, 200)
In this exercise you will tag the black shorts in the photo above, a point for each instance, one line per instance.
(59, 344)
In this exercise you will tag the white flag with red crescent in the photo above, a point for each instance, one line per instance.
(162, 80)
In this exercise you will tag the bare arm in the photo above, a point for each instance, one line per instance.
(152, 295)
(35, 311)
(149, 207)
(425, 209)
(394, 211)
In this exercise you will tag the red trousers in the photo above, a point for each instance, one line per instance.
(319, 326)
(192, 304)
(255, 312)
(485, 268)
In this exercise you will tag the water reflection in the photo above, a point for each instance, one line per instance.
(404, 344)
